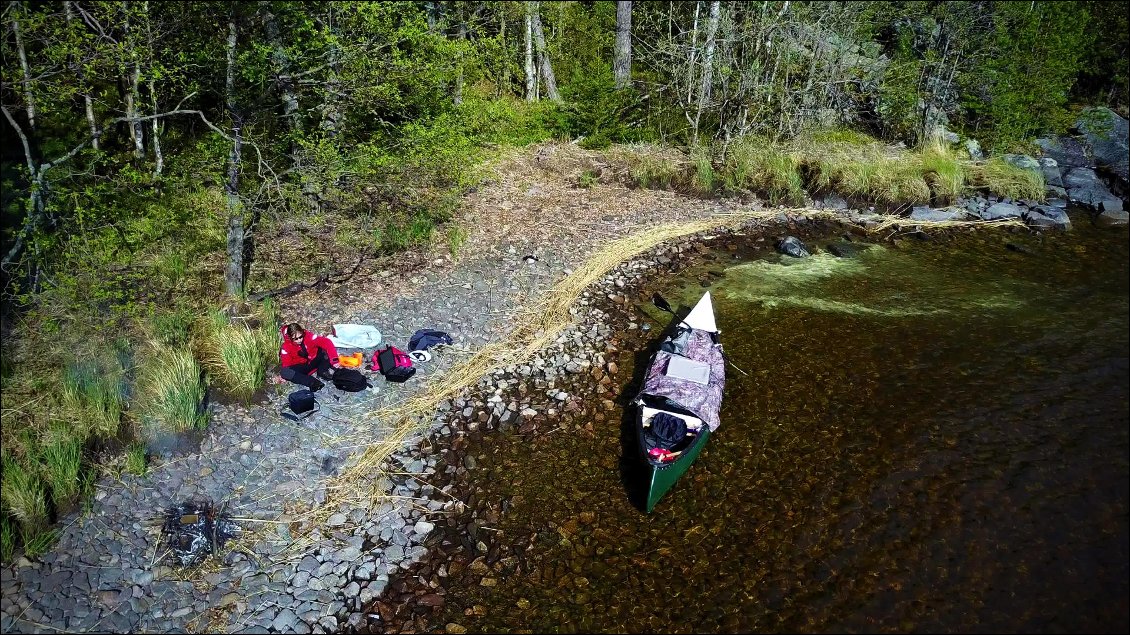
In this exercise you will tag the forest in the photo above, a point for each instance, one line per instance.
(167, 166)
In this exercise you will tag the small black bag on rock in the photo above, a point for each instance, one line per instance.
(350, 380)
(301, 403)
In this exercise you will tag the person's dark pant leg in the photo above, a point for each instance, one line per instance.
(321, 361)
(299, 375)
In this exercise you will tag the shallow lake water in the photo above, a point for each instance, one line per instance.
(930, 436)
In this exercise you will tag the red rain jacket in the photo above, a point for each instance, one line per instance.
(291, 355)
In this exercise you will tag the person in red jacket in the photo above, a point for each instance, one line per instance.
(303, 353)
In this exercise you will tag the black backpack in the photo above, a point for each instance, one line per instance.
(667, 430)
(350, 380)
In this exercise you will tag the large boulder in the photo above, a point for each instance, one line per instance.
(1086, 188)
(1068, 152)
(1052, 176)
(1108, 134)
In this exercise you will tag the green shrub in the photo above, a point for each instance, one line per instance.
(587, 179)
(39, 542)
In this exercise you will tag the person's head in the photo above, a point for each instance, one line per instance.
(295, 332)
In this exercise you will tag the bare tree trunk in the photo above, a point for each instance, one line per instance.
(504, 74)
(707, 65)
(622, 55)
(543, 57)
(29, 97)
(89, 103)
(693, 53)
(158, 156)
(284, 81)
(333, 119)
(458, 99)
(233, 274)
(133, 91)
(531, 72)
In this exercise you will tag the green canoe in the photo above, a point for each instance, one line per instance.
(678, 407)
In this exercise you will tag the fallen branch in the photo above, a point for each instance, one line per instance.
(298, 287)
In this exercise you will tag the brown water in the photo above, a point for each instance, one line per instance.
(932, 436)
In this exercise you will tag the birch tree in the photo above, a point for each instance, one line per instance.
(531, 72)
(543, 56)
(622, 56)
(233, 273)
(707, 66)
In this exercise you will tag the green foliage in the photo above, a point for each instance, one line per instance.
(1023, 86)
(587, 179)
(173, 327)
(942, 170)
(898, 93)
(37, 543)
(705, 179)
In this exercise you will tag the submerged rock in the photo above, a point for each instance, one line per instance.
(1047, 216)
(792, 246)
(846, 249)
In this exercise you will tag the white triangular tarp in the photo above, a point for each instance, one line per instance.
(702, 315)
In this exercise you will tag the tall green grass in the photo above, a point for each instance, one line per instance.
(238, 355)
(7, 539)
(172, 391)
(23, 496)
(93, 393)
(757, 164)
(61, 458)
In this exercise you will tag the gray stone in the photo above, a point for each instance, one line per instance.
(1002, 210)
(792, 246)
(1022, 161)
(927, 214)
(1068, 152)
(285, 621)
(336, 520)
(300, 579)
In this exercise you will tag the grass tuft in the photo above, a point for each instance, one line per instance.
(756, 164)
(135, 460)
(93, 394)
(456, 237)
(7, 539)
(61, 456)
(173, 388)
(1004, 179)
(23, 496)
(237, 355)
(942, 169)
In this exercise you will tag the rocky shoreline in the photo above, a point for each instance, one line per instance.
(286, 571)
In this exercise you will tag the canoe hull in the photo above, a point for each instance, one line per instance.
(661, 478)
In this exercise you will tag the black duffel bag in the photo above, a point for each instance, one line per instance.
(350, 380)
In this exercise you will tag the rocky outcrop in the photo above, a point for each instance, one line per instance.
(1072, 165)
(1108, 136)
